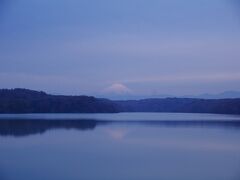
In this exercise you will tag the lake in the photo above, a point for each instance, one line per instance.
(123, 146)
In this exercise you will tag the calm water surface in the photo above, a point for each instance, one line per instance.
(125, 146)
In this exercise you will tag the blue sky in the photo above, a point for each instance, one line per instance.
(141, 47)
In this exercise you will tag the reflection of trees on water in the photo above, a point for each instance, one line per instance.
(20, 128)
(30, 127)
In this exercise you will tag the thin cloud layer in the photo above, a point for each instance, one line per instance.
(149, 46)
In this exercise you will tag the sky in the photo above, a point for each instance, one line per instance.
(139, 47)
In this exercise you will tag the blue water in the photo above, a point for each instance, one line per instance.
(124, 116)
(119, 147)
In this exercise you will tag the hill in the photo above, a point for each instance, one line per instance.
(29, 101)
(182, 105)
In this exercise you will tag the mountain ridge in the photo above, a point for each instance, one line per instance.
(223, 95)
(30, 101)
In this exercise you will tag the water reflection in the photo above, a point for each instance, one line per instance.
(19, 128)
(105, 149)
(30, 127)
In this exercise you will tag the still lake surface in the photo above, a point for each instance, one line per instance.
(124, 146)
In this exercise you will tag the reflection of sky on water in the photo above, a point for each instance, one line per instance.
(180, 138)
(116, 151)
(117, 134)
(90, 149)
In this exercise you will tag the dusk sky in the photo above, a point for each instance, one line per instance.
(142, 47)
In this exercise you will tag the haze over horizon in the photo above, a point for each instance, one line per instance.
(136, 47)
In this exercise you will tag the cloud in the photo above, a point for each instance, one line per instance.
(150, 46)
(221, 77)
(117, 88)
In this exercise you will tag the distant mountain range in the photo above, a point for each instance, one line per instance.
(29, 101)
(223, 95)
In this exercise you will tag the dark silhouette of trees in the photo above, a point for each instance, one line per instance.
(29, 101)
